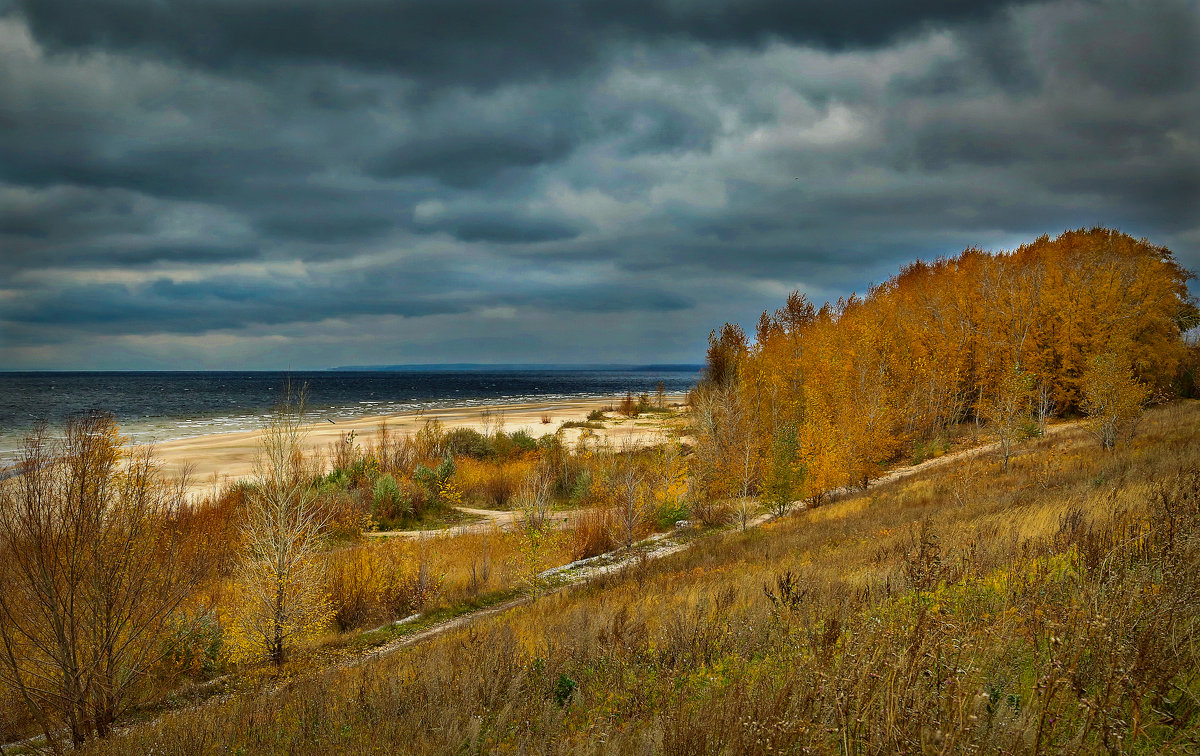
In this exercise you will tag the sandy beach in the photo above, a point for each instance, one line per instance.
(213, 459)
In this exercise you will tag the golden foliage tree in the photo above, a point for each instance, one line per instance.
(1112, 398)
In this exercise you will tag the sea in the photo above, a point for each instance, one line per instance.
(152, 407)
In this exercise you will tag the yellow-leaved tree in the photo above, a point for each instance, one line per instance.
(1112, 398)
(280, 601)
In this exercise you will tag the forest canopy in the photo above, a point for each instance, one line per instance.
(1003, 339)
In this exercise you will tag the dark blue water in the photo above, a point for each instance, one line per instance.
(156, 406)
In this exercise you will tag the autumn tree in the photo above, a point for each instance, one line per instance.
(726, 460)
(1113, 399)
(96, 571)
(281, 601)
(783, 475)
(726, 351)
(1008, 410)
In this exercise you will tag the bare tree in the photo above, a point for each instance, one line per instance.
(748, 506)
(492, 422)
(1044, 405)
(280, 581)
(536, 497)
(94, 567)
(629, 493)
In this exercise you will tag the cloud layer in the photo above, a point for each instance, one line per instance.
(260, 183)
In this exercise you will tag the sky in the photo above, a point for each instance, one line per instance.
(297, 184)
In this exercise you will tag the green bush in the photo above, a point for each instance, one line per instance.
(386, 489)
(468, 442)
(431, 479)
(582, 424)
(669, 513)
(389, 501)
(582, 487)
(523, 443)
(337, 480)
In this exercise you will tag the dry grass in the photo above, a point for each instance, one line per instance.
(1055, 608)
(390, 578)
(593, 533)
(492, 485)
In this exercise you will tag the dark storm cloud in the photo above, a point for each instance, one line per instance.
(468, 160)
(514, 181)
(504, 229)
(474, 41)
(222, 303)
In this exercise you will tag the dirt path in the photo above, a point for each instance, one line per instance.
(564, 577)
(492, 518)
(974, 451)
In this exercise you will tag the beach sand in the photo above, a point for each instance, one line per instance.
(214, 459)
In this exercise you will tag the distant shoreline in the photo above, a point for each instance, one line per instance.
(430, 367)
(162, 407)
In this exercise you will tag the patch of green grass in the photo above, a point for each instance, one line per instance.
(582, 424)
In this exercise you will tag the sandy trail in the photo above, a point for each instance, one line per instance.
(493, 518)
(213, 459)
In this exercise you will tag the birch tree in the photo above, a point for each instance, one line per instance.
(281, 600)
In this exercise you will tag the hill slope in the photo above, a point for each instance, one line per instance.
(1050, 607)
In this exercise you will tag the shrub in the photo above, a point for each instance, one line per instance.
(491, 484)
(581, 424)
(336, 480)
(433, 480)
(582, 486)
(670, 512)
(629, 407)
(713, 514)
(468, 442)
(363, 472)
(386, 489)
(371, 584)
(345, 511)
(390, 502)
(523, 443)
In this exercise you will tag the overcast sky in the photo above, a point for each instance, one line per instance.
(192, 184)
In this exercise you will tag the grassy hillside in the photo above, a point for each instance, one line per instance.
(1049, 608)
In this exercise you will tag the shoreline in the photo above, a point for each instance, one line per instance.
(211, 460)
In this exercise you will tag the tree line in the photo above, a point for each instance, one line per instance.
(1091, 322)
